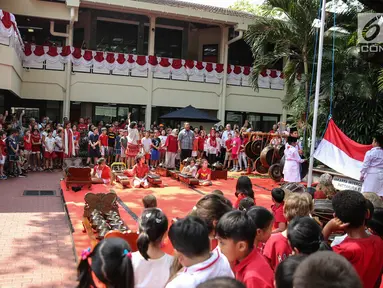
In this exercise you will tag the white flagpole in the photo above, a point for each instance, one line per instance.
(317, 87)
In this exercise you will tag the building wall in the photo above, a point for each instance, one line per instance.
(206, 37)
(10, 70)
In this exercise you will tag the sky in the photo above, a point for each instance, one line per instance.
(219, 3)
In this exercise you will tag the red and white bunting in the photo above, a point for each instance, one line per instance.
(9, 33)
(139, 65)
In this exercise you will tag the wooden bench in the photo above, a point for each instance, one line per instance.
(188, 179)
(79, 176)
(219, 174)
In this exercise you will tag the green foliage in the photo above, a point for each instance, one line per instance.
(357, 108)
(259, 10)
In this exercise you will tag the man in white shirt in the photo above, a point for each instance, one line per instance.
(225, 136)
(372, 171)
(190, 239)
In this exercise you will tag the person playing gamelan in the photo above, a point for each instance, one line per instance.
(204, 174)
(140, 172)
(102, 172)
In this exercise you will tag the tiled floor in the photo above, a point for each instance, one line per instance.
(36, 246)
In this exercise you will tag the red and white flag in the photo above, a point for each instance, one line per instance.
(340, 153)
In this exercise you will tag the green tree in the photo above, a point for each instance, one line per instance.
(256, 9)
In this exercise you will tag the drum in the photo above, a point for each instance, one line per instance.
(259, 168)
(267, 156)
(256, 147)
(154, 179)
(280, 151)
(323, 210)
(275, 172)
(249, 152)
(188, 179)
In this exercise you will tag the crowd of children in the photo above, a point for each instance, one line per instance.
(220, 245)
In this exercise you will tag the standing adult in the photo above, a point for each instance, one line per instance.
(68, 142)
(133, 143)
(372, 171)
(225, 136)
(185, 142)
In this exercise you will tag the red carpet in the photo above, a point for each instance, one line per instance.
(175, 199)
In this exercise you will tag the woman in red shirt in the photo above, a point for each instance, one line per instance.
(171, 146)
(204, 174)
(140, 172)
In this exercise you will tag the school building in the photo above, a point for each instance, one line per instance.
(106, 58)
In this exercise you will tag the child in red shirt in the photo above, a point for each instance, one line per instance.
(236, 233)
(102, 172)
(363, 251)
(204, 174)
(36, 149)
(104, 142)
(280, 223)
(27, 146)
(229, 147)
(243, 189)
(277, 248)
(263, 221)
(140, 172)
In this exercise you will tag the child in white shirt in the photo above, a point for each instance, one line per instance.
(146, 145)
(150, 264)
(49, 144)
(191, 169)
(190, 239)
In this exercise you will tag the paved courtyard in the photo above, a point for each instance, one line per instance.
(36, 245)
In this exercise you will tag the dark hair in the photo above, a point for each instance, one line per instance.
(286, 269)
(244, 186)
(306, 235)
(375, 223)
(149, 201)
(238, 226)
(379, 139)
(221, 282)
(110, 264)
(211, 208)
(132, 124)
(139, 156)
(350, 207)
(261, 217)
(326, 269)
(370, 208)
(12, 131)
(245, 204)
(190, 236)
(2, 133)
(217, 192)
(278, 195)
(49, 131)
(153, 226)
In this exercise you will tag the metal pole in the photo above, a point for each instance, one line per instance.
(316, 101)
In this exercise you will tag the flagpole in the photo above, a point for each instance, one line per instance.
(317, 88)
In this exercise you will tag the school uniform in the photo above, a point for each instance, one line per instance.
(59, 147)
(190, 277)
(146, 142)
(366, 255)
(3, 149)
(254, 271)
(140, 172)
(151, 273)
(372, 171)
(171, 145)
(278, 214)
(155, 154)
(277, 249)
(50, 143)
(103, 173)
(104, 144)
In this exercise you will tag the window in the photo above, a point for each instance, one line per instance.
(105, 113)
(168, 43)
(268, 122)
(210, 53)
(255, 121)
(117, 37)
(234, 118)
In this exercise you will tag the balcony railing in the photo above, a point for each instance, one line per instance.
(109, 63)
(9, 33)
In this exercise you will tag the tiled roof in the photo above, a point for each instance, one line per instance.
(199, 7)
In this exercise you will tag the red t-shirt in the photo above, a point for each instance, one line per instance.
(229, 144)
(254, 271)
(27, 146)
(239, 198)
(244, 142)
(3, 147)
(278, 214)
(319, 195)
(201, 143)
(104, 140)
(105, 172)
(172, 143)
(277, 249)
(366, 255)
(203, 174)
(140, 171)
(82, 127)
(76, 135)
(35, 139)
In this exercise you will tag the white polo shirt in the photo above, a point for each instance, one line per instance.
(216, 266)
